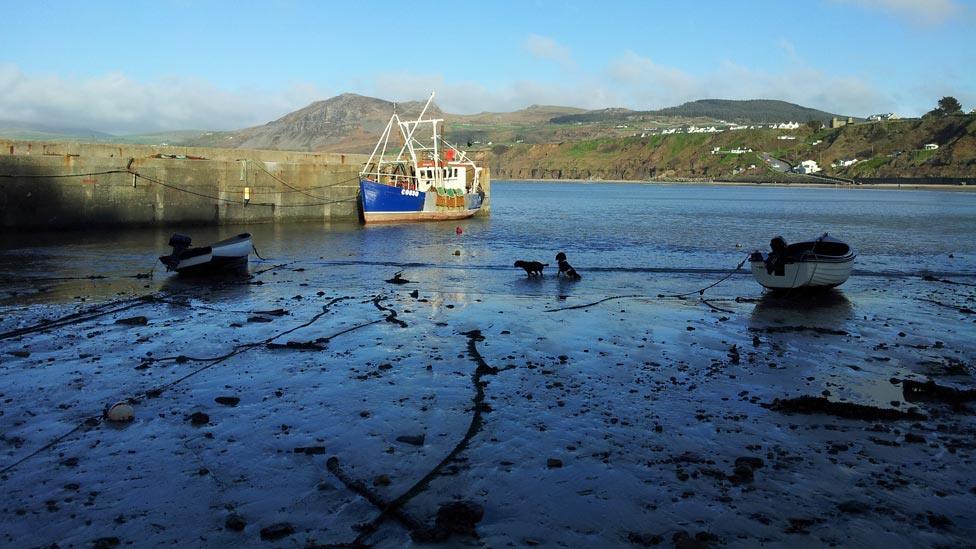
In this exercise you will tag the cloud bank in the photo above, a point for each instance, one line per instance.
(543, 47)
(115, 103)
(639, 82)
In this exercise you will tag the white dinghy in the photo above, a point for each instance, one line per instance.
(822, 263)
(227, 255)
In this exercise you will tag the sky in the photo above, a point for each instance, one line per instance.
(145, 66)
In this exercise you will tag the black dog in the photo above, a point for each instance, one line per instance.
(565, 268)
(532, 268)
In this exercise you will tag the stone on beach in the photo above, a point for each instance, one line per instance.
(198, 418)
(120, 412)
(416, 440)
(133, 321)
(277, 531)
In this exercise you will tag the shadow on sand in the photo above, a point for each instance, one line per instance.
(826, 307)
(233, 284)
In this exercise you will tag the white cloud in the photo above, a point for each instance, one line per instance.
(544, 47)
(467, 97)
(638, 82)
(641, 77)
(644, 84)
(929, 12)
(116, 103)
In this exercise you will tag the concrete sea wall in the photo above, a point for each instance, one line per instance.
(62, 185)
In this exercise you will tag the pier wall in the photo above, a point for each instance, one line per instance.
(63, 185)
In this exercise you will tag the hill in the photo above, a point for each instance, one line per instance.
(352, 123)
(744, 111)
(13, 129)
(752, 110)
(534, 114)
(346, 123)
(892, 149)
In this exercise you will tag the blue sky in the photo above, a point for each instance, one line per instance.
(146, 66)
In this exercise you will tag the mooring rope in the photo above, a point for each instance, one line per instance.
(700, 292)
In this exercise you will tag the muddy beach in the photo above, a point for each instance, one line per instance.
(314, 403)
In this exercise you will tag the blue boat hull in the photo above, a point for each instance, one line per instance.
(386, 203)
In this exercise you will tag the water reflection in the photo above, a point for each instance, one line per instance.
(230, 285)
(826, 308)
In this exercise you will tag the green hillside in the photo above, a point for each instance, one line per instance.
(752, 110)
(11, 129)
(884, 149)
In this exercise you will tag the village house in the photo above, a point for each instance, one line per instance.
(883, 117)
(838, 122)
(807, 166)
(930, 146)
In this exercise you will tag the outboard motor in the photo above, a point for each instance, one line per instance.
(179, 242)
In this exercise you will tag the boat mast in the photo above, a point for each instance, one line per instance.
(408, 128)
(383, 139)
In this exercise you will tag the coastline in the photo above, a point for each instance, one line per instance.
(711, 182)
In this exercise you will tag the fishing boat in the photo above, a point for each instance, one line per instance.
(821, 263)
(227, 255)
(427, 179)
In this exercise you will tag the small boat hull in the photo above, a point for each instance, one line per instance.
(227, 255)
(822, 263)
(383, 203)
(805, 274)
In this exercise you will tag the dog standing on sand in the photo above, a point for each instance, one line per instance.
(532, 268)
(565, 268)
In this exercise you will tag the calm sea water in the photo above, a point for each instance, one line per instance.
(629, 232)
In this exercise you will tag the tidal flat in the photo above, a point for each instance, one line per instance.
(479, 407)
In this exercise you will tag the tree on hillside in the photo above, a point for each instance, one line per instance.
(947, 105)
(815, 125)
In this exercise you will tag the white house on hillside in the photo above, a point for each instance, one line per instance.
(807, 166)
(930, 146)
(885, 116)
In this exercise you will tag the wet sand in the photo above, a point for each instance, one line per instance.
(285, 411)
